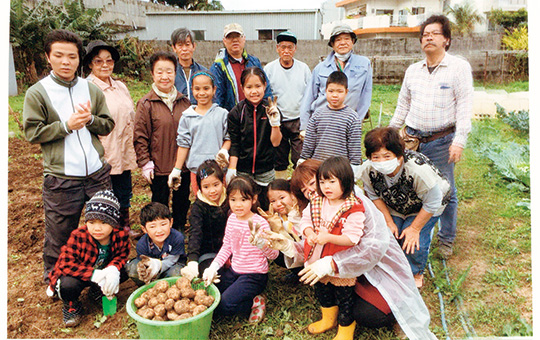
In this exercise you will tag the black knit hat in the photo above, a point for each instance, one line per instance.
(103, 206)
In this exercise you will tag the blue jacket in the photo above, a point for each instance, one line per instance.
(226, 88)
(183, 85)
(360, 80)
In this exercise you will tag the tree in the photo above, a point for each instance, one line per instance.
(195, 5)
(508, 20)
(465, 18)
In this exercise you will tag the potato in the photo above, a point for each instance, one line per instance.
(161, 286)
(182, 282)
(152, 302)
(147, 295)
(160, 309)
(201, 292)
(199, 309)
(161, 297)
(208, 300)
(172, 315)
(184, 316)
(158, 318)
(173, 293)
(146, 313)
(192, 306)
(140, 301)
(181, 307)
(187, 292)
(169, 304)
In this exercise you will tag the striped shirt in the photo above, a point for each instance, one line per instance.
(432, 102)
(333, 133)
(246, 258)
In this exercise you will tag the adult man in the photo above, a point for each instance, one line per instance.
(65, 114)
(228, 66)
(288, 79)
(183, 44)
(358, 71)
(435, 103)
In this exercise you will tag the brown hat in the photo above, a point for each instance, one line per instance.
(93, 49)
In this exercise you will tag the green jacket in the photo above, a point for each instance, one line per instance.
(48, 105)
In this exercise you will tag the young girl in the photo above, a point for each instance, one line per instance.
(202, 131)
(207, 219)
(254, 130)
(333, 222)
(247, 276)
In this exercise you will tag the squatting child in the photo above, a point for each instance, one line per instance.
(93, 256)
(160, 251)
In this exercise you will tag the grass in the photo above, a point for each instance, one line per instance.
(516, 86)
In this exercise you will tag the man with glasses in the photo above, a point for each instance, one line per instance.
(228, 66)
(183, 44)
(435, 104)
(288, 78)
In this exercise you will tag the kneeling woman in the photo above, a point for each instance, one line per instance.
(408, 189)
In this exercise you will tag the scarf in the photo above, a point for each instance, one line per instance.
(316, 207)
(168, 98)
(206, 200)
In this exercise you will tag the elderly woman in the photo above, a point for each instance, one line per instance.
(385, 289)
(99, 60)
(358, 71)
(156, 123)
(408, 189)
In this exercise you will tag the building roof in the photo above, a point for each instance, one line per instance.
(314, 10)
(393, 29)
(345, 2)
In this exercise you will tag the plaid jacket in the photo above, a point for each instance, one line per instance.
(79, 255)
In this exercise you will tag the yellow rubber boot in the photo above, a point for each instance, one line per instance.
(328, 321)
(346, 332)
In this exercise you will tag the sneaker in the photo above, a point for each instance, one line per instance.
(95, 293)
(445, 249)
(72, 312)
(258, 309)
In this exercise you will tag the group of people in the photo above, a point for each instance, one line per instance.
(228, 135)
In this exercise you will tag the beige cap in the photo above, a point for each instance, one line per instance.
(230, 28)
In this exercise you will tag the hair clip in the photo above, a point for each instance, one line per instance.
(203, 174)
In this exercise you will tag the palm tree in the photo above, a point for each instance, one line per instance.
(465, 17)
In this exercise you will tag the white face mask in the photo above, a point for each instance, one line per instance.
(386, 167)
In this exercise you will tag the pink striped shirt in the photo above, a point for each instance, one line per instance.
(246, 258)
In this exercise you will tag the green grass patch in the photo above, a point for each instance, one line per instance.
(516, 86)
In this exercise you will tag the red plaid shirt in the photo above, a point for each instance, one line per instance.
(79, 255)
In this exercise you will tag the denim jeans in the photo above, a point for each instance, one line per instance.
(238, 290)
(437, 152)
(417, 260)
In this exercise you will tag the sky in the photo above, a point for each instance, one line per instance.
(274, 4)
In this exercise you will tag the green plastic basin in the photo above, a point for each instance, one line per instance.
(197, 327)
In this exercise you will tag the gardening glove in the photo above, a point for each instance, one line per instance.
(272, 112)
(222, 158)
(272, 218)
(316, 271)
(356, 171)
(279, 242)
(302, 135)
(300, 161)
(256, 239)
(175, 179)
(210, 274)
(112, 281)
(148, 171)
(49, 291)
(98, 276)
(190, 271)
(229, 176)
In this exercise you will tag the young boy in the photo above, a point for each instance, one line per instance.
(335, 129)
(160, 251)
(93, 256)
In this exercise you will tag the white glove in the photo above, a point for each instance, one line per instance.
(302, 135)
(97, 276)
(175, 179)
(230, 174)
(49, 291)
(148, 171)
(300, 161)
(317, 270)
(190, 271)
(112, 281)
(357, 172)
(154, 266)
(272, 112)
(279, 242)
(222, 158)
(210, 274)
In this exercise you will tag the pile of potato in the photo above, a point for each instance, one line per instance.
(180, 301)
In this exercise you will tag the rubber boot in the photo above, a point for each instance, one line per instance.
(282, 174)
(328, 321)
(346, 332)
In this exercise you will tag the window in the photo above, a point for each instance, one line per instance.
(418, 10)
(199, 35)
(269, 34)
(384, 11)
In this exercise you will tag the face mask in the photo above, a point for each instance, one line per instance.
(386, 167)
(343, 57)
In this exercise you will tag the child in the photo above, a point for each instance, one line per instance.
(207, 219)
(254, 129)
(336, 129)
(93, 256)
(202, 131)
(333, 222)
(247, 276)
(160, 251)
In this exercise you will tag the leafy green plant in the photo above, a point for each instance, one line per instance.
(516, 39)
(134, 56)
(517, 120)
(508, 19)
(519, 327)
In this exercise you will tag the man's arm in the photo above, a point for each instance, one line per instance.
(308, 99)
(365, 95)
(219, 96)
(403, 105)
(464, 93)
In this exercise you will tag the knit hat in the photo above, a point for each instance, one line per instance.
(103, 206)
(286, 36)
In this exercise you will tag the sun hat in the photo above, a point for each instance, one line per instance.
(230, 28)
(340, 29)
(94, 47)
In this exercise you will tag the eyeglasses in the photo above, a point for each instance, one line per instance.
(431, 34)
(99, 62)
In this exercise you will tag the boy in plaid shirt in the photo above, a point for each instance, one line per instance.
(93, 256)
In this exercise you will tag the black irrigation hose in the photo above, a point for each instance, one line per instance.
(441, 301)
